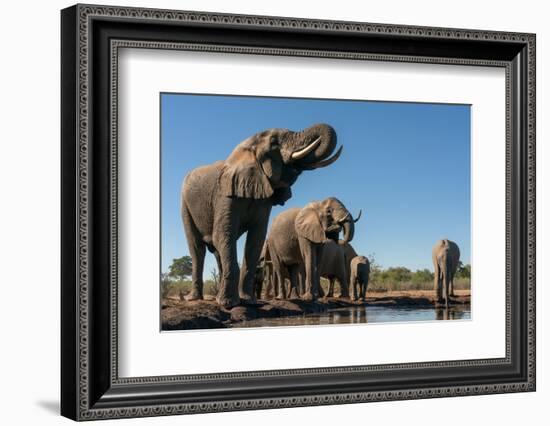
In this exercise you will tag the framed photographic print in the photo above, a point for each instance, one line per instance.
(263, 212)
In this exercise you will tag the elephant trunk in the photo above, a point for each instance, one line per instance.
(349, 230)
(311, 148)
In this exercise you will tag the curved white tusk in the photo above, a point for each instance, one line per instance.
(298, 155)
(345, 218)
(323, 163)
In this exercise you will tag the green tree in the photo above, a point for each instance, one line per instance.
(180, 268)
(421, 276)
(398, 274)
(463, 271)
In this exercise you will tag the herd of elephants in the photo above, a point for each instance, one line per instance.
(222, 201)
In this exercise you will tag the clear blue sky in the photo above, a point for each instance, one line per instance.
(406, 165)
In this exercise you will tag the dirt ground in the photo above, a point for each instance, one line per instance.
(183, 315)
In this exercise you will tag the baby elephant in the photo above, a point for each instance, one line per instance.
(360, 270)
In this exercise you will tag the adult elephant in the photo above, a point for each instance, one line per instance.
(445, 256)
(297, 237)
(359, 278)
(223, 200)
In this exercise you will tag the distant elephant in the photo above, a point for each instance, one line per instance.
(296, 241)
(223, 200)
(360, 271)
(445, 256)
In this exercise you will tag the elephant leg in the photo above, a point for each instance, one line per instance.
(220, 268)
(343, 281)
(316, 282)
(330, 287)
(254, 242)
(278, 278)
(437, 283)
(353, 282)
(278, 284)
(446, 290)
(309, 254)
(269, 294)
(197, 250)
(259, 286)
(364, 286)
(294, 282)
(301, 279)
(228, 294)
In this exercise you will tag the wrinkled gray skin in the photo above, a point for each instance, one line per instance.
(264, 272)
(349, 252)
(296, 241)
(445, 256)
(275, 289)
(332, 269)
(223, 200)
(359, 280)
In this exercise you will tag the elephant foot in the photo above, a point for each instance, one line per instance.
(194, 295)
(294, 294)
(228, 302)
(330, 294)
(248, 300)
(308, 297)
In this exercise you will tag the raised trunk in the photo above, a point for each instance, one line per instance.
(349, 230)
(310, 148)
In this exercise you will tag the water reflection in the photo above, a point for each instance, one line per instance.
(365, 314)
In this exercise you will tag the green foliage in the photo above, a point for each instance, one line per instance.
(401, 278)
(464, 271)
(422, 276)
(180, 268)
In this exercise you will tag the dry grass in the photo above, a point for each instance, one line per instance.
(173, 289)
(429, 294)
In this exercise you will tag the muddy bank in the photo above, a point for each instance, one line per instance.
(200, 314)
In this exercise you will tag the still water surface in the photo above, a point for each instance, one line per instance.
(365, 314)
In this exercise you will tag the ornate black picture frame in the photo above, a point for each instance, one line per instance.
(91, 387)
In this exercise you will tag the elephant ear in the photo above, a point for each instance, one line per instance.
(308, 225)
(243, 177)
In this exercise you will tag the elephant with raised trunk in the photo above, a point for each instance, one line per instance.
(223, 200)
(296, 241)
(445, 256)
